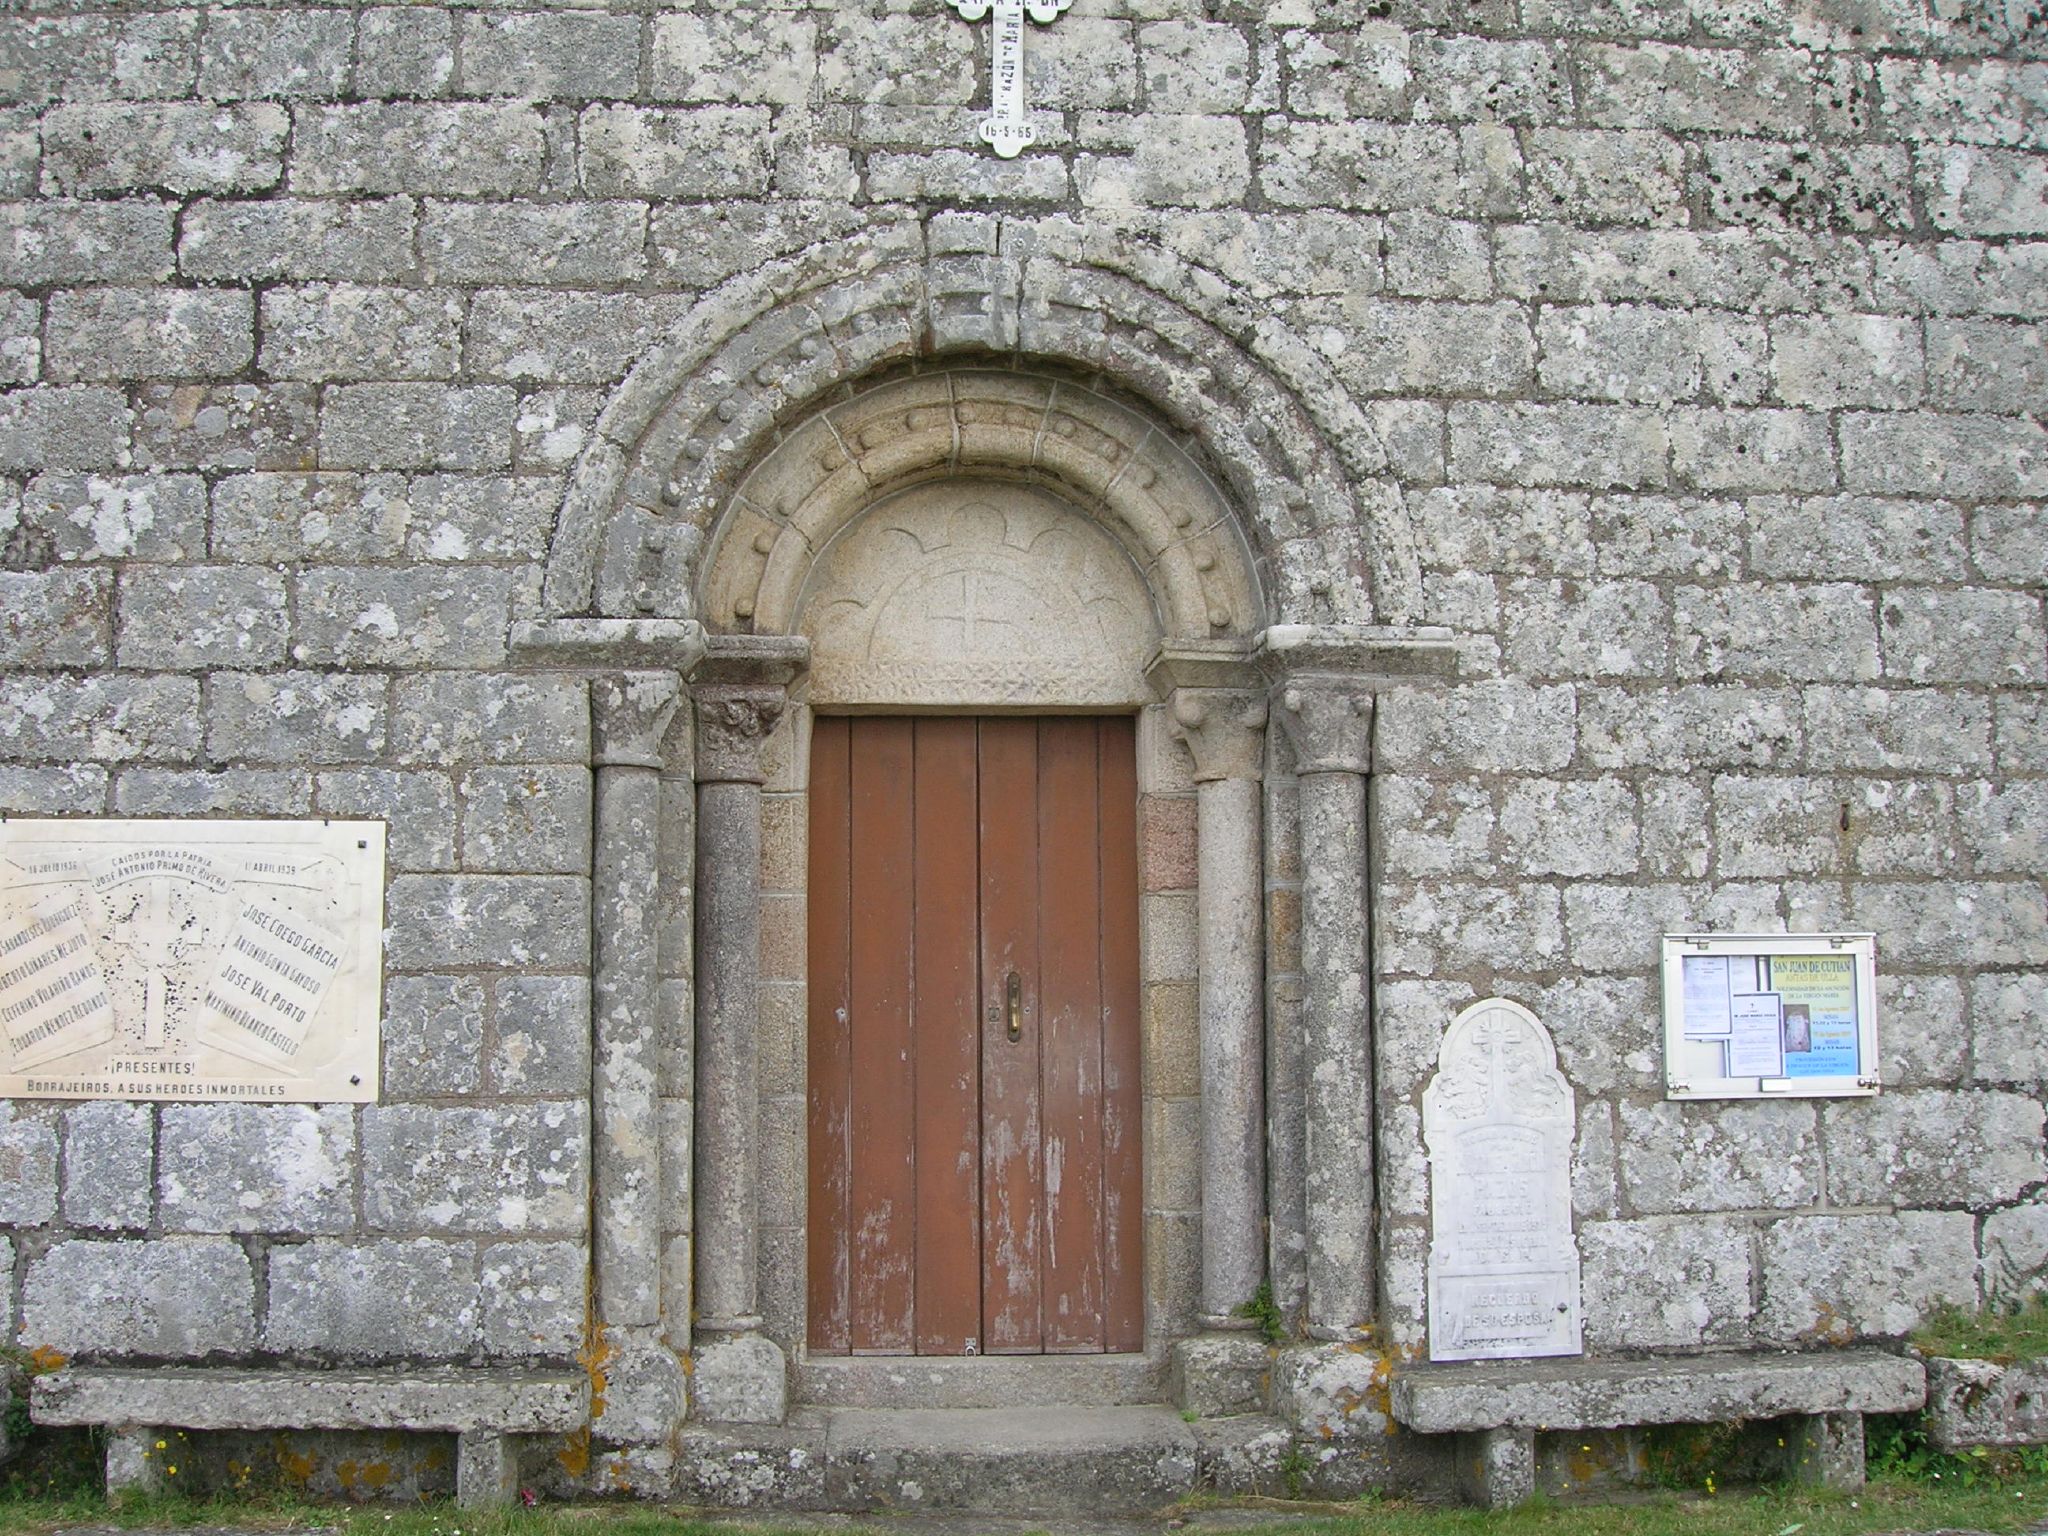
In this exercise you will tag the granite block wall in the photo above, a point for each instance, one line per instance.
(1701, 339)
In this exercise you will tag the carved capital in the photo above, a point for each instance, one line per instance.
(1328, 720)
(630, 713)
(1225, 729)
(733, 720)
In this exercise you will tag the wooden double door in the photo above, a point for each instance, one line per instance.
(973, 1028)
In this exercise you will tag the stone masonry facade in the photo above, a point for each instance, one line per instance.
(1679, 361)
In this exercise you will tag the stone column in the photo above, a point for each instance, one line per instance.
(1225, 732)
(741, 690)
(630, 713)
(1328, 719)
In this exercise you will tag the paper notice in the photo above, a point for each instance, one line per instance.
(1706, 997)
(1756, 1040)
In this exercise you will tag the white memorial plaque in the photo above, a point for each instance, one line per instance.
(190, 959)
(1498, 1119)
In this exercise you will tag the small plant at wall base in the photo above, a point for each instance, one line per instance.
(1265, 1314)
(2004, 1332)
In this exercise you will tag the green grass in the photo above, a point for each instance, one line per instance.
(2001, 1496)
(2017, 1332)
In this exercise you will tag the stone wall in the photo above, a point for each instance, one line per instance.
(1695, 340)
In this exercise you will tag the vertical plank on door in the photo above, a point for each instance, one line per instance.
(1070, 1015)
(1123, 1197)
(1010, 1171)
(947, 1045)
(884, 1112)
(830, 1065)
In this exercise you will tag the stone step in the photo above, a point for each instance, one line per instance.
(992, 1381)
(1040, 1460)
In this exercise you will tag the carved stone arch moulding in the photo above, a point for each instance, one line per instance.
(775, 352)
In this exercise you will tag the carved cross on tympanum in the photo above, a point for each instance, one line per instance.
(1007, 130)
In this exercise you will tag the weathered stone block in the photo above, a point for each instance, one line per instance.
(1710, 90)
(1613, 927)
(512, 1168)
(1156, 160)
(172, 1298)
(1616, 446)
(542, 1040)
(1960, 277)
(1589, 827)
(517, 1401)
(587, 242)
(418, 809)
(256, 1168)
(662, 152)
(276, 518)
(1916, 453)
(451, 717)
(433, 1035)
(417, 426)
(1367, 165)
(417, 616)
(550, 55)
(201, 616)
(100, 719)
(1833, 360)
(1432, 349)
(1602, 629)
(1777, 826)
(1480, 528)
(1503, 725)
(55, 618)
(21, 345)
(224, 426)
(93, 58)
(1964, 637)
(79, 427)
(1606, 1029)
(179, 147)
(576, 338)
(2006, 1041)
(119, 517)
(404, 51)
(531, 1299)
(359, 240)
(1193, 66)
(297, 53)
(1594, 176)
(1972, 191)
(1621, 352)
(539, 921)
(1986, 1402)
(1432, 257)
(532, 819)
(1450, 927)
(1807, 633)
(28, 1166)
(467, 149)
(1828, 1279)
(108, 1152)
(1935, 1147)
(734, 57)
(222, 792)
(1932, 923)
(1752, 450)
(345, 331)
(1856, 538)
(369, 1301)
(76, 789)
(1719, 1156)
(1427, 828)
(1901, 730)
(295, 717)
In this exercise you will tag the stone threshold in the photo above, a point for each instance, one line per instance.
(984, 1381)
(1042, 1460)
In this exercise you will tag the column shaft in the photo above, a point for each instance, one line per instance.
(728, 1012)
(1230, 942)
(1337, 1040)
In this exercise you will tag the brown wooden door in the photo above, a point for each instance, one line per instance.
(974, 1182)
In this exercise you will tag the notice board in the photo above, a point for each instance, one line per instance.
(1786, 1015)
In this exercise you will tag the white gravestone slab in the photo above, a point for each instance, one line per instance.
(190, 959)
(1503, 1263)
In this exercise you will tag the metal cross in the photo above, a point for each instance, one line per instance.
(1007, 130)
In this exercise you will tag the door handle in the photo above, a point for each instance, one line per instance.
(1013, 1002)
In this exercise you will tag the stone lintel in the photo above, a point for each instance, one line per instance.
(1611, 1394)
(674, 645)
(508, 1401)
(630, 714)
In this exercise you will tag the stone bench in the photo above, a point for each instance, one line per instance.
(1496, 1408)
(481, 1407)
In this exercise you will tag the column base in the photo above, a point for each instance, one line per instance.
(1334, 1392)
(1216, 1374)
(1497, 1467)
(739, 1378)
(646, 1390)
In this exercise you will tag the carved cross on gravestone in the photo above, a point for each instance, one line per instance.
(1007, 129)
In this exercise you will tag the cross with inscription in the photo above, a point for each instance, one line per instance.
(1007, 130)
